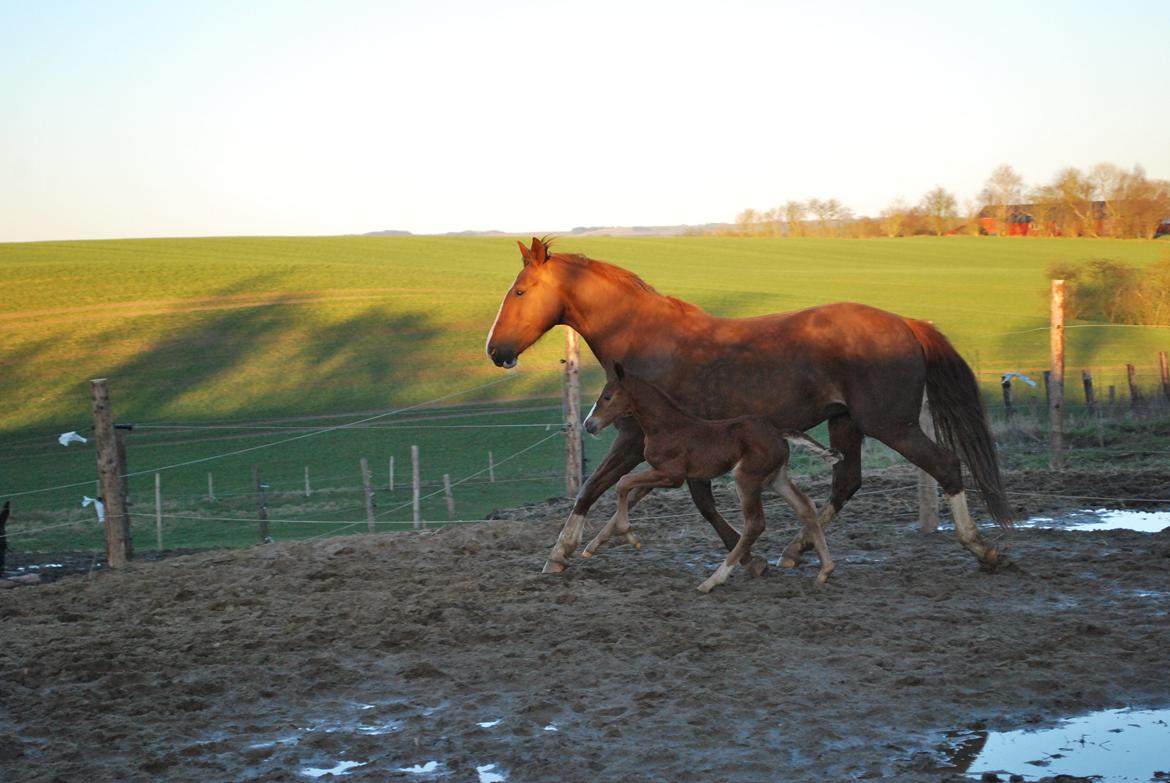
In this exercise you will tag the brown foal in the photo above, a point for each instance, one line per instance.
(680, 446)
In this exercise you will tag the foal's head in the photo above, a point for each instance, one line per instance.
(612, 403)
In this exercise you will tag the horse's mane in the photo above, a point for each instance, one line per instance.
(621, 277)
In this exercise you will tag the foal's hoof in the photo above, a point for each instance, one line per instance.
(990, 560)
(757, 566)
(787, 562)
(553, 567)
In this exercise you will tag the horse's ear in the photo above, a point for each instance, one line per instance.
(539, 251)
(524, 252)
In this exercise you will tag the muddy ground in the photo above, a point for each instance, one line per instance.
(432, 656)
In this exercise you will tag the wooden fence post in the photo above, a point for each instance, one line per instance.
(1090, 399)
(111, 482)
(574, 446)
(1056, 378)
(261, 503)
(1165, 368)
(491, 468)
(210, 487)
(158, 509)
(450, 496)
(121, 433)
(1112, 395)
(368, 490)
(1135, 394)
(308, 489)
(1006, 384)
(416, 487)
(927, 486)
(391, 471)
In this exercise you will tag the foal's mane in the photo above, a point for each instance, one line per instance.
(622, 278)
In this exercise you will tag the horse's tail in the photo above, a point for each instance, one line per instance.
(959, 417)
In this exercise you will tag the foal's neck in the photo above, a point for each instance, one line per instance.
(655, 411)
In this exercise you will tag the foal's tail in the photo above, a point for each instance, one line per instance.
(959, 417)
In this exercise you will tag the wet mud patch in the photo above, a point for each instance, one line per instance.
(387, 653)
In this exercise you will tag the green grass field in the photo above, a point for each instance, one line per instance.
(221, 345)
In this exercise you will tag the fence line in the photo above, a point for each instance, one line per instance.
(281, 442)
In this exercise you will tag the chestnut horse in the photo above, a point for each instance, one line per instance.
(861, 368)
(680, 446)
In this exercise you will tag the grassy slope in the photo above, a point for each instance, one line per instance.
(199, 330)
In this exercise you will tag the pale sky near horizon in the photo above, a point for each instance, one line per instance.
(134, 119)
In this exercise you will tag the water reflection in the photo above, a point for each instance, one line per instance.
(1119, 746)
(1104, 519)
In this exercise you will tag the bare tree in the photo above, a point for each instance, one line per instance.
(794, 212)
(746, 221)
(893, 218)
(1108, 185)
(940, 208)
(1002, 191)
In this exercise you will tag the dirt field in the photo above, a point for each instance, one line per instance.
(432, 656)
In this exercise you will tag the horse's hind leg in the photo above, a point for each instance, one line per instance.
(753, 525)
(845, 438)
(807, 513)
(705, 502)
(913, 444)
(624, 455)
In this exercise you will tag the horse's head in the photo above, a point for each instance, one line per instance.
(532, 306)
(612, 403)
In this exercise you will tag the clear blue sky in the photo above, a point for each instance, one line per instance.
(123, 119)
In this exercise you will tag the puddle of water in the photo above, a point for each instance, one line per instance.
(422, 769)
(487, 774)
(551, 727)
(341, 768)
(1104, 519)
(1119, 746)
(490, 723)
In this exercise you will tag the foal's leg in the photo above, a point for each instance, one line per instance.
(611, 526)
(807, 513)
(846, 438)
(624, 455)
(753, 525)
(705, 502)
(638, 482)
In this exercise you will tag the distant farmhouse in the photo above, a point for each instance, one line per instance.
(1089, 219)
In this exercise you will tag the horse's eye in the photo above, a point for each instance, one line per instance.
(607, 397)
(519, 292)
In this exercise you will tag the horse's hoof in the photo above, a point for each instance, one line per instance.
(706, 587)
(991, 560)
(586, 553)
(757, 566)
(788, 562)
(553, 567)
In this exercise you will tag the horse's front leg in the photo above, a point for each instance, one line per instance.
(624, 455)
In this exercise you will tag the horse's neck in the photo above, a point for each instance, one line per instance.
(655, 411)
(620, 323)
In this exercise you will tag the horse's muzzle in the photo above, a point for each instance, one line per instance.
(503, 357)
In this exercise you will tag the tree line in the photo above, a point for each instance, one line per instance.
(1105, 201)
